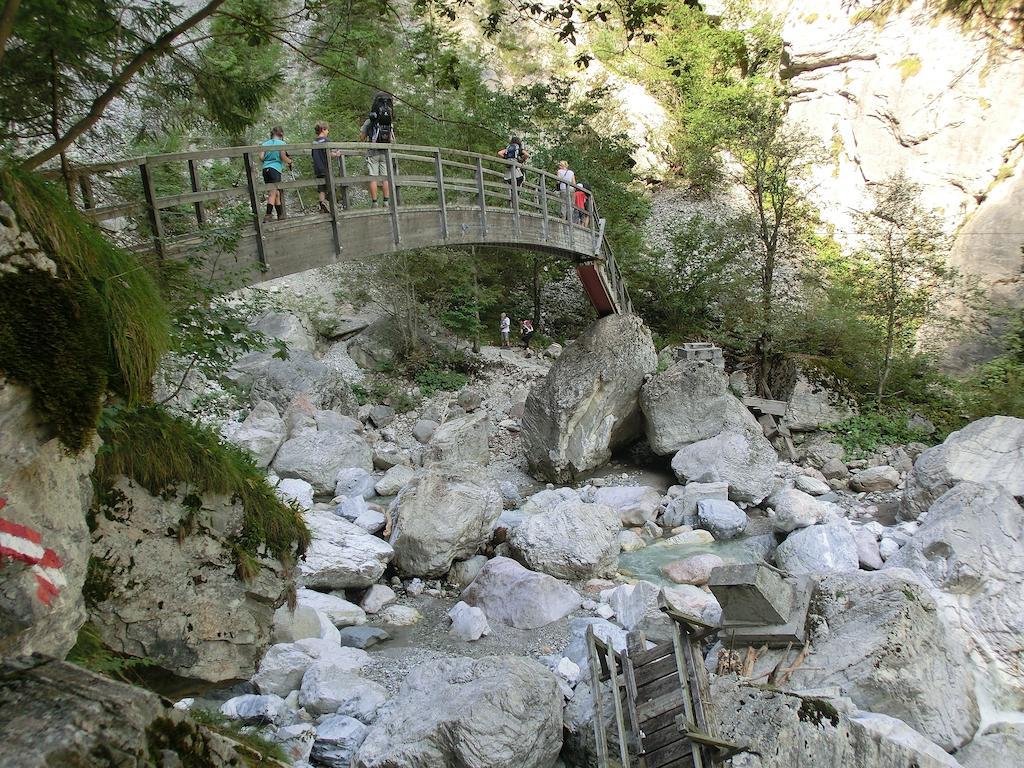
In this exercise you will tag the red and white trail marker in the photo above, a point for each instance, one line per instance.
(24, 544)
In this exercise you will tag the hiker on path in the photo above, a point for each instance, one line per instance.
(515, 152)
(379, 128)
(274, 161)
(506, 328)
(581, 203)
(565, 177)
(526, 331)
(320, 163)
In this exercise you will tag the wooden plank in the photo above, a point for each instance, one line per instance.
(653, 654)
(332, 205)
(203, 195)
(600, 732)
(483, 196)
(655, 670)
(254, 203)
(343, 174)
(664, 720)
(674, 754)
(393, 199)
(439, 174)
(655, 740)
(154, 212)
(630, 686)
(659, 706)
(771, 407)
(658, 688)
(193, 178)
(617, 700)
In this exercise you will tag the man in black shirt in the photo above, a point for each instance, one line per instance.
(320, 163)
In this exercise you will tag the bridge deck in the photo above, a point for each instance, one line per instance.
(442, 197)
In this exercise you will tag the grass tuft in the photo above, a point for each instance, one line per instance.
(160, 450)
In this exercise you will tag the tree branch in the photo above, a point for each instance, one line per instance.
(144, 57)
(7, 23)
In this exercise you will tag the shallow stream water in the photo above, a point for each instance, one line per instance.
(648, 562)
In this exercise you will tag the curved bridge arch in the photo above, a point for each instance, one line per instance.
(440, 197)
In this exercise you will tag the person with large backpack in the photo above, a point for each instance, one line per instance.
(379, 128)
(515, 152)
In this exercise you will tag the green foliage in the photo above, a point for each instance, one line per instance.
(90, 652)
(909, 67)
(432, 379)
(160, 450)
(237, 731)
(99, 323)
(863, 433)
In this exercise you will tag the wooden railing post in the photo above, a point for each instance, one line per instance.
(543, 200)
(193, 177)
(393, 197)
(344, 186)
(567, 202)
(482, 196)
(515, 199)
(154, 213)
(254, 203)
(442, 203)
(332, 205)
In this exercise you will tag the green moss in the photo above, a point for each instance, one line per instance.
(909, 67)
(98, 582)
(160, 450)
(260, 748)
(100, 323)
(818, 710)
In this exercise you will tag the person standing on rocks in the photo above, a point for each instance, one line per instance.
(274, 161)
(526, 331)
(506, 328)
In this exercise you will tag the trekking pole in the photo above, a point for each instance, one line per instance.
(298, 193)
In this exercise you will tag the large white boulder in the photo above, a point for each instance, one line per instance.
(587, 404)
(261, 434)
(790, 509)
(635, 504)
(509, 593)
(688, 402)
(318, 457)
(989, 451)
(442, 516)
(337, 739)
(740, 455)
(970, 547)
(330, 689)
(572, 541)
(342, 555)
(495, 712)
(461, 441)
(285, 327)
(818, 549)
(340, 611)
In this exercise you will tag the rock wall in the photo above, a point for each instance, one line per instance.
(166, 593)
(44, 541)
(922, 92)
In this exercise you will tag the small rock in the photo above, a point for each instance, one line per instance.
(510, 497)
(294, 489)
(630, 541)
(887, 548)
(394, 480)
(463, 572)
(874, 479)
(362, 637)
(568, 670)
(691, 537)
(254, 709)
(414, 588)
(337, 740)
(399, 616)
(692, 570)
(354, 481)
(382, 415)
(296, 741)
(812, 485)
(834, 469)
(723, 519)
(470, 399)
(424, 430)
(468, 622)
(377, 598)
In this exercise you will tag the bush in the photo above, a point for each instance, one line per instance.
(160, 450)
(432, 379)
(863, 433)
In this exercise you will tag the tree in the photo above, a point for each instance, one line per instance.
(774, 160)
(902, 274)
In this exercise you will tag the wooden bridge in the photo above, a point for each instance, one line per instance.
(440, 197)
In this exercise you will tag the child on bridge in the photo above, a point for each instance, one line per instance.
(273, 166)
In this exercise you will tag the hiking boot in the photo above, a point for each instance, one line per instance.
(267, 219)
(373, 203)
(325, 208)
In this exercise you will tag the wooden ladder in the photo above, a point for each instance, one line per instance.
(660, 699)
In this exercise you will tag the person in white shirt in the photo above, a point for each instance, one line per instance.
(565, 177)
(506, 328)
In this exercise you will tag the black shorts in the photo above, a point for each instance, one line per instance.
(323, 183)
(271, 176)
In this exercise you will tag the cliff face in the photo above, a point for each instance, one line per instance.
(921, 92)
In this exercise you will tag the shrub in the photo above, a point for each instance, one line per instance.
(863, 433)
(160, 450)
(432, 379)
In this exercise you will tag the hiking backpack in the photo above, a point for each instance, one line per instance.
(382, 115)
(514, 152)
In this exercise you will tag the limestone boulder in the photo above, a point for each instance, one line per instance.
(342, 555)
(282, 381)
(442, 516)
(740, 456)
(572, 541)
(328, 689)
(284, 665)
(337, 739)
(509, 593)
(45, 494)
(723, 519)
(178, 601)
(1001, 745)
(461, 441)
(788, 729)
(394, 480)
(57, 714)
(318, 458)
(635, 504)
(830, 547)
(688, 402)
(813, 406)
(879, 639)
(873, 479)
(261, 434)
(695, 569)
(791, 509)
(588, 402)
(989, 451)
(285, 327)
(682, 507)
(338, 610)
(969, 546)
(494, 712)
(354, 481)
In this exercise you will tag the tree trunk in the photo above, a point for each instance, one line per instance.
(476, 302)
(7, 16)
(536, 292)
